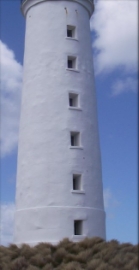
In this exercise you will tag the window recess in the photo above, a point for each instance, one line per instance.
(71, 31)
(75, 138)
(78, 227)
(71, 62)
(76, 182)
(73, 100)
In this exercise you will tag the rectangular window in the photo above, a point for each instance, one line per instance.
(78, 227)
(76, 182)
(73, 100)
(70, 31)
(71, 62)
(75, 138)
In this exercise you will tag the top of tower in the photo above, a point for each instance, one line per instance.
(26, 4)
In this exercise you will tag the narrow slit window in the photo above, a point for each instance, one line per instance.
(71, 62)
(75, 138)
(73, 100)
(78, 227)
(70, 31)
(76, 182)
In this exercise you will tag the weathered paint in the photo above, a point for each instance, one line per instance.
(46, 207)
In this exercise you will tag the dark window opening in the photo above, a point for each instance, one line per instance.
(72, 140)
(75, 138)
(78, 227)
(73, 100)
(76, 182)
(69, 33)
(70, 63)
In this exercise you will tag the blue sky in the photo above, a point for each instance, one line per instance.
(114, 49)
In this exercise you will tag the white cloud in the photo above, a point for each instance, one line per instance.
(116, 27)
(122, 86)
(10, 83)
(6, 223)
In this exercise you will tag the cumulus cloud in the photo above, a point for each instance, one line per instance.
(10, 84)
(7, 223)
(115, 26)
(126, 85)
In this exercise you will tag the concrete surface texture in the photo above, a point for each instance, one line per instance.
(59, 189)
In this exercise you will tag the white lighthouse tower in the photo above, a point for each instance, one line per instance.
(59, 185)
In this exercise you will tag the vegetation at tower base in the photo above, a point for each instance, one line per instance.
(89, 254)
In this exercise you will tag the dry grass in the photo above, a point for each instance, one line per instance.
(89, 254)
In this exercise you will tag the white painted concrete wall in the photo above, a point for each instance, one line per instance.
(46, 207)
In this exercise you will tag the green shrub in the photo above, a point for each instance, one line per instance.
(19, 264)
(59, 255)
(90, 242)
(103, 266)
(89, 254)
(27, 251)
(93, 264)
(73, 266)
(38, 260)
(85, 256)
(31, 267)
(49, 266)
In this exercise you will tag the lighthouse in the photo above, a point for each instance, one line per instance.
(59, 190)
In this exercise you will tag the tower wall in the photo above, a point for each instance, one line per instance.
(46, 204)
